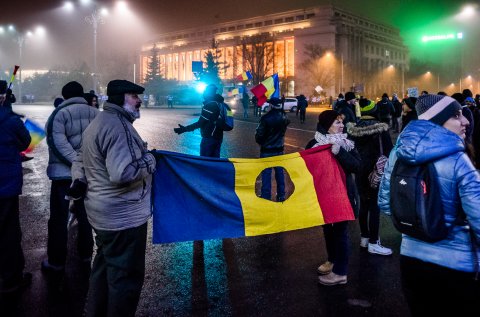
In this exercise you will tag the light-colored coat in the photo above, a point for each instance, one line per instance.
(64, 138)
(117, 168)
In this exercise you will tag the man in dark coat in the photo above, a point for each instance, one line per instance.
(346, 107)
(302, 105)
(270, 135)
(212, 136)
(14, 138)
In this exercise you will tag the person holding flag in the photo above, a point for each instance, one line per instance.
(14, 138)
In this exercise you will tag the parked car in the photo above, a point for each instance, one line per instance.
(290, 105)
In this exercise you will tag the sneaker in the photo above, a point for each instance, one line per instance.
(332, 279)
(325, 268)
(25, 282)
(377, 248)
(50, 268)
(364, 242)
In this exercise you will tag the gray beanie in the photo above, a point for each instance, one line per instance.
(436, 108)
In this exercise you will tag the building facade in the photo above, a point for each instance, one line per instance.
(323, 47)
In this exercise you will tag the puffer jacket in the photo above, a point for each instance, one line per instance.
(64, 130)
(14, 138)
(366, 134)
(117, 168)
(421, 142)
(270, 133)
(207, 120)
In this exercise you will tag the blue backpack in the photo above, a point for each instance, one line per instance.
(225, 118)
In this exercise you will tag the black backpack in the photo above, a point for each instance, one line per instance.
(415, 202)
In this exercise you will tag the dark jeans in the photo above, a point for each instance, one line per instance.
(302, 115)
(433, 290)
(57, 225)
(210, 147)
(12, 261)
(117, 273)
(369, 218)
(336, 240)
(395, 125)
(267, 180)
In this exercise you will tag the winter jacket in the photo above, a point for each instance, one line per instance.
(385, 110)
(423, 141)
(208, 118)
(366, 134)
(117, 168)
(350, 162)
(270, 133)
(14, 138)
(64, 130)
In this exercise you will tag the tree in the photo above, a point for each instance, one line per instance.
(213, 66)
(258, 55)
(317, 69)
(154, 82)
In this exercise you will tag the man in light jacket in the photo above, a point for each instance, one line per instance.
(116, 169)
(64, 130)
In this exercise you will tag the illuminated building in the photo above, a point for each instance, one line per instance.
(362, 50)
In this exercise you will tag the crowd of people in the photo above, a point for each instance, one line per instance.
(101, 170)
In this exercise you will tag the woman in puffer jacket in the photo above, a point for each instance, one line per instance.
(329, 131)
(438, 278)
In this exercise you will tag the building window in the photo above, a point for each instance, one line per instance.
(240, 27)
(387, 53)
(249, 25)
(302, 17)
(215, 31)
(223, 29)
(268, 22)
(277, 21)
(258, 24)
(289, 19)
(231, 28)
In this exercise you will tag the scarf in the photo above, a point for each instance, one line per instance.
(339, 138)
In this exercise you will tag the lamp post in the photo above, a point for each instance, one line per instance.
(94, 20)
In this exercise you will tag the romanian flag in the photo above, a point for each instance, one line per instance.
(268, 88)
(244, 76)
(36, 133)
(198, 198)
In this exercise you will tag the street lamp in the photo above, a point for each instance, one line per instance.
(94, 19)
(21, 37)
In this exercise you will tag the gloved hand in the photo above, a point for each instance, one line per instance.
(181, 129)
(335, 148)
(77, 190)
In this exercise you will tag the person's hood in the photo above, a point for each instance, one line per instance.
(424, 141)
(366, 126)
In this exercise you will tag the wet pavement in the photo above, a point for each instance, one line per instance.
(272, 275)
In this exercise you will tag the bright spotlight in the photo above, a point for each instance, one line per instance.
(2, 30)
(468, 11)
(68, 6)
(122, 6)
(104, 11)
(11, 28)
(85, 2)
(201, 87)
(29, 33)
(40, 31)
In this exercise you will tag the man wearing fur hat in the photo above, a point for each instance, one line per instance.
(64, 130)
(270, 135)
(115, 169)
(371, 139)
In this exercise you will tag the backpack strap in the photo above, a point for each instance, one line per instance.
(50, 140)
(381, 144)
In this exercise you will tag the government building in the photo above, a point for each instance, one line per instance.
(323, 49)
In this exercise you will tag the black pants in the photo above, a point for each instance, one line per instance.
(369, 217)
(12, 261)
(337, 242)
(433, 290)
(57, 225)
(117, 273)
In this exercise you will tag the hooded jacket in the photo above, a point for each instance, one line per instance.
(366, 134)
(117, 168)
(64, 130)
(270, 133)
(14, 138)
(421, 142)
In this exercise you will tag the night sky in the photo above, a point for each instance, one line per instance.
(68, 35)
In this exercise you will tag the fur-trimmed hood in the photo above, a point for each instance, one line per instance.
(365, 127)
